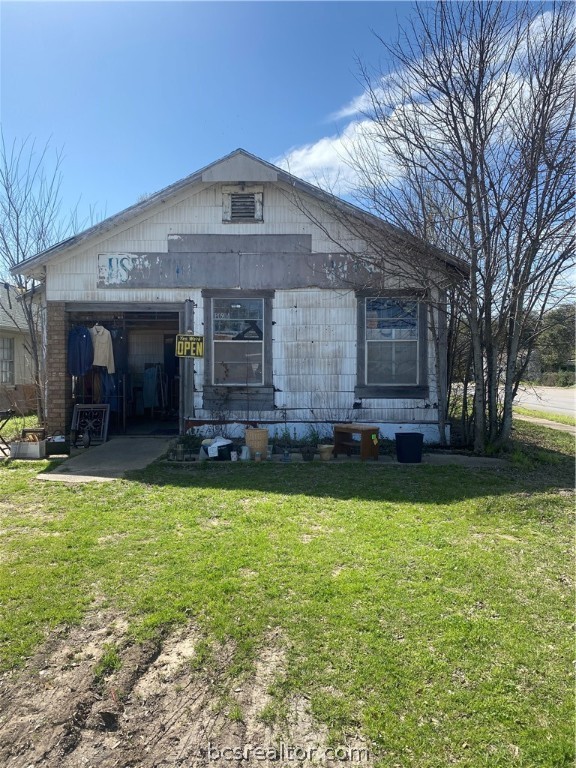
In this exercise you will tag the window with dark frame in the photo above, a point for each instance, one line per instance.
(392, 342)
(6, 361)
(238, 341)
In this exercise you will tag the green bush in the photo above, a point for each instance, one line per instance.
(558, 379)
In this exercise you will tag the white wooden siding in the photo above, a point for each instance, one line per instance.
(75, 275)
(314, 336)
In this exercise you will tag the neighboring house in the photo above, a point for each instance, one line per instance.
(17, 390)
(293, 333)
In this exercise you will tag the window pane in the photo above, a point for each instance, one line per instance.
(238, 319)
(392, 362)
(6, 361)
(391, 319)
(238, 362)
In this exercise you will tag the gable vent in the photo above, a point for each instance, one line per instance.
(242, 206)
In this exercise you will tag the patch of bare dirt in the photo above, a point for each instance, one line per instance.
(157, 710)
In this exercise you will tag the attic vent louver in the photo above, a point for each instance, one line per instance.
(242, 206)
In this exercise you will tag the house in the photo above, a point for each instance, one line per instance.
(244, 260)
(17, 388)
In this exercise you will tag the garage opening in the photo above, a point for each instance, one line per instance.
(143, 391)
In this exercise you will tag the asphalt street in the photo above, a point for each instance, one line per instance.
(554, 399)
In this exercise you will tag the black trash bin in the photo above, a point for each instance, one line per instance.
(409, 447)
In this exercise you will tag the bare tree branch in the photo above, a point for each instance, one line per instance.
(468, 143)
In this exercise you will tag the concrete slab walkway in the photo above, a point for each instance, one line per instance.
(547, 423)
(109, 461)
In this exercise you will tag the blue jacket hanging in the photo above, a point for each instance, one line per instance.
(80, 351)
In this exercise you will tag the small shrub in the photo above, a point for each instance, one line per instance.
(191, 442)
(558, 379)
(387, 447)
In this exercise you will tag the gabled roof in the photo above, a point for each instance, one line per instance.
(12, 316)
(239, 166)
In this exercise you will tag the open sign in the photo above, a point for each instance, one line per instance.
(189, 346)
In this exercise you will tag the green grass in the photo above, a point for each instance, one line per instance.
(108, 663)
(16, 424)
(429, 607)
(559, 418)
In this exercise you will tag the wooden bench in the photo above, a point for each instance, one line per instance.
(368, 443)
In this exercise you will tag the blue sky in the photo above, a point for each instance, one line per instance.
(140, 94)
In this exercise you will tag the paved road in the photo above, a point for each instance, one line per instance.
(554, 399)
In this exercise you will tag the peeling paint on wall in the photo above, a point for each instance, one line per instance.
(116, 269)
(255, 271)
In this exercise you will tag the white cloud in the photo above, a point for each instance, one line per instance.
(358, 106)
(328, 163)
(385, 92)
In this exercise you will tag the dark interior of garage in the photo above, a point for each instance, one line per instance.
(140, 380)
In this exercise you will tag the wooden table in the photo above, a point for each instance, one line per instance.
(343, 442)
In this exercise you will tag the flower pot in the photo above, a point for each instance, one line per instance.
(325, 452)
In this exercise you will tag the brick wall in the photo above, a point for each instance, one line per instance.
(58, 383)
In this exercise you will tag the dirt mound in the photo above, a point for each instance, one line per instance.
(89, 699)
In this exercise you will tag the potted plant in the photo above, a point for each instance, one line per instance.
(307, 452)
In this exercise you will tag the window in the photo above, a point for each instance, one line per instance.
(392, 347)
(238, 350)
(391, 341)
(238, 339)
(242, 204)
(6, 361)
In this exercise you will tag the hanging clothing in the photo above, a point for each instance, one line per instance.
(80, 351)
(120, 349)
(109, 390)
(102, 343)
(150, 394)
(97, 374)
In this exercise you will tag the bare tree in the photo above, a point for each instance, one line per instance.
(467, 142)
(30, 222)
(380, 257)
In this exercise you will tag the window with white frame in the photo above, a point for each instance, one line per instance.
(391, 342)
(238, 341)
(6, 361)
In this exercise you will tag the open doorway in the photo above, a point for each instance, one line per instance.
(144, 389)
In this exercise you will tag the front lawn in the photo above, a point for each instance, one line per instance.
(427, 607)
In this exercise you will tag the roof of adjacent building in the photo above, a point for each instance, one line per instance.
(11, 314)
(239, 166)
